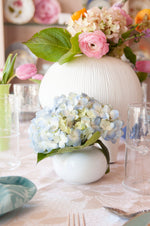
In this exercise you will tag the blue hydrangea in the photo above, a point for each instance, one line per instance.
(71, 121)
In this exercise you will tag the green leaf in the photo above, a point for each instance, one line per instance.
(89, 142)
(93, 139)
(105, 151)
(41, 156)
(128, 33)
(50, 44)
(142, 76)
(130, 55)
(73, 51)
(8, 70)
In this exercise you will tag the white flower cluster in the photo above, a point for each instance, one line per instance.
(110, 21)
(72, 121)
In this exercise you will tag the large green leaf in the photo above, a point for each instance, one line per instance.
(89, 142)
(50, 44)
(73, 51)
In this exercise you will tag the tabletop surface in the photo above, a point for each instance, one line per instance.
(55, 199)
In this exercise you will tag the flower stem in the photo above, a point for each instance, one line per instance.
(11, 78)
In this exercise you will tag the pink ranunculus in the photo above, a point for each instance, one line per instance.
(143, 66)
(37, 77)
(26, 71)
(129, 20)
(93, 44)
(46, 11)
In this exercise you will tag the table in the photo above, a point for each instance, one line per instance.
(55, 199)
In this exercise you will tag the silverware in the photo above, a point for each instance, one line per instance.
(76, 220)
(125, 214)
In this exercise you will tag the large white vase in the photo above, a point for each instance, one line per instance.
(109, 80)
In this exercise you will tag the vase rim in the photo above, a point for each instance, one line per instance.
(5, 84)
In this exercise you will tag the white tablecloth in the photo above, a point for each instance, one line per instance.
(55, 199)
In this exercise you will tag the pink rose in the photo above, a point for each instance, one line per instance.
(46, 11)
(26, 71)
(38, 77)
(93, 44)
(143, 66)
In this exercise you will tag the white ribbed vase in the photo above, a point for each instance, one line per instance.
(109, 80)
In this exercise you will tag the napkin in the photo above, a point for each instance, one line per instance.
(14, 192)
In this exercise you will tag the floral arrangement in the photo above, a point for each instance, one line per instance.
(74, 122)
(95, 32)
(23, 72)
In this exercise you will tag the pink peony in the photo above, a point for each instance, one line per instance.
(46, 11)
(93, 44)
(37, 77)
(143, 66)
(26, 71)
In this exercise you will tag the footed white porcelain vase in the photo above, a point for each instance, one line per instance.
(109, 80)
(81, 167)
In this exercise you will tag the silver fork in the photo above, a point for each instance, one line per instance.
(76, 220)
(125, 214)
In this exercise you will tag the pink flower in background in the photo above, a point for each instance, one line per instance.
(18, 3)
(129, 20)
(26, 71)
(147, 33)
(46, 11)
(120, 4)
(93, 44)
(37, 77)
(143, 66)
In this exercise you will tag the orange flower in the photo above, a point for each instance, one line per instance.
(77, 14)
(142, 16)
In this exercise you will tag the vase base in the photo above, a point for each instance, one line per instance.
(81, 167)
